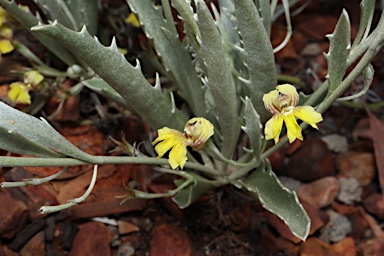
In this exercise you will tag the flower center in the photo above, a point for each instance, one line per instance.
(283, 100)
(287, 110)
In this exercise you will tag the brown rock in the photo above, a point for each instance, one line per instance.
(314, 246)
(241, 218)
(35, 246)
(345, 247)
(372, 247)
(170, 240)
(311, 162)
(319, 193)
(13, 215)
(126, 227)
(375, 204)
(5, 251)
(358, 165)
(92, 239)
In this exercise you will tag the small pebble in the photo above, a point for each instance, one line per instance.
(336, 229)
(350, 191)
(336, 143)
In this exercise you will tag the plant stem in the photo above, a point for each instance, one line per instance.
(7, 161)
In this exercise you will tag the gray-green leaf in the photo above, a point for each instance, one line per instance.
(127, 80)
(193, 191)
(279, 200)
(258, 54)
(219, 79)
(30, 132)
(253, 128)
(339, 47)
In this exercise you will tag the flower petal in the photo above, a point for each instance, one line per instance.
(273, 127)
(308, 114)
(178, 156)
(271, 103)
(19, 93)
(6, 46)
(294, 130)
(33, 77)
(199, 130)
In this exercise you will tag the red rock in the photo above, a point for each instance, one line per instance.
(170, 240)
(345, 247)
(375, 204)
(319, 193)
(126, 227)
(311, 162)
(13, 215)
(93, 238)
(35, 246)
(314, 246)
(358, 165)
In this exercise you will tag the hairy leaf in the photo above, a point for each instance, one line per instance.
(127, 80)
(175, 56)
(253, 128)
(189, 194)
(258, 54)
(279, 200)
(339, 47)
(219, 79)
(367, 8)
(18, 127)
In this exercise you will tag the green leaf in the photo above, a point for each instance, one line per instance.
(258, 54)
(279, 200)
(176, 58)
(85, 13)
(99, 85)
(367, 9)
(18, 127)
(185, 11)
(72, 14)
(193, 191)
(127, 80)
(339, 48)
(16, 143)
(27, 20)
(219, 79)
(264, 7)
(59, 11)
(253, 128)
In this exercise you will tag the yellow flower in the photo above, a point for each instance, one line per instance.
(282, 103)
(33, 77)
(5, 46)
(132, 19)
(196, 132)
(19, 93)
